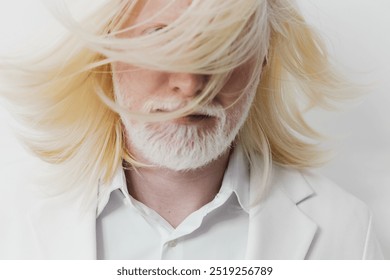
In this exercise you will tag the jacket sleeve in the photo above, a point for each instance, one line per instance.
(372, 250)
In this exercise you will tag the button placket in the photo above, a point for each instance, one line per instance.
(172, 243)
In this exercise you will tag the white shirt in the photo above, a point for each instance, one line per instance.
(128, 229)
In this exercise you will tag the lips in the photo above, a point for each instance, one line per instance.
(198, 117)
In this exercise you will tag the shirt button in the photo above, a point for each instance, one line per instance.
(172, 243)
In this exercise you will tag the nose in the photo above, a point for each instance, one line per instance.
(186, 84)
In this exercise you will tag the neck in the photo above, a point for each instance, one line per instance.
(176, 194)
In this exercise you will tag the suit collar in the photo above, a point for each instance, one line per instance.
(278, 229)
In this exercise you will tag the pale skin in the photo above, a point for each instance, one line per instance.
(173, 194)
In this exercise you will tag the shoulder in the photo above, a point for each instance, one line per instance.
(329, 196)
(344, 222)
(309, 189)
(321, 199)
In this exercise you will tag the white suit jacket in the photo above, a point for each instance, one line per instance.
(304, 216)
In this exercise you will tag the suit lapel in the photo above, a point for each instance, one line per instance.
(64, 229)
(277, 227)
(64, 226)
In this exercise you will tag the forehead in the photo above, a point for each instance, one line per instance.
(158, 10)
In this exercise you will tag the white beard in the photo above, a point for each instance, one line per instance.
(182, 147)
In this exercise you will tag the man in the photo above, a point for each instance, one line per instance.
(195, 141)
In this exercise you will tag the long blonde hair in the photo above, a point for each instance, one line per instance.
(65, 97)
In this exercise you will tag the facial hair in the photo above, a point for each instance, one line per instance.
(183, 147)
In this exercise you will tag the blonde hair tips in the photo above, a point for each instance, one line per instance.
(66, 96)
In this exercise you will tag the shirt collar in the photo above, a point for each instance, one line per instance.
(236, 179)
(104, 190)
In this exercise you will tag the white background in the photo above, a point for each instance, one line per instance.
(358, 35)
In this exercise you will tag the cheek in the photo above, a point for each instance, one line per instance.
(129, 79)
(239, 107)
(133, 86)
(233, 91)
